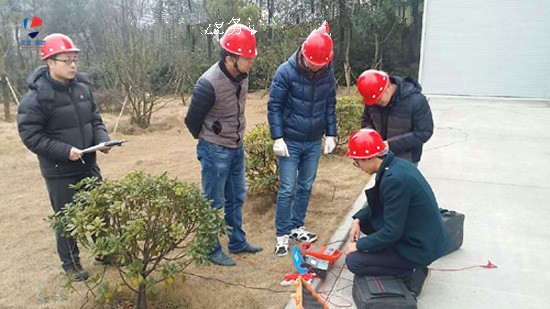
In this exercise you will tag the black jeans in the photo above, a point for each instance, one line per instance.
(61, 194)
(387, 262)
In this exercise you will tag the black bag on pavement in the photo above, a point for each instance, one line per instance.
(454, 222)
(381, 292)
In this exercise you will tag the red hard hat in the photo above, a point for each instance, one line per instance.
(322, 29)
(317, 49)
(365, 144)
(57, 43)
(239, 40)
(371, 84)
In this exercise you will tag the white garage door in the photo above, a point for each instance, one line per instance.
(486, 48)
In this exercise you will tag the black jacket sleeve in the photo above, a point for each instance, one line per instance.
(100, 132)
(423, 127)
(202, 100)
(31, 123)
(366, 121)
(330, 114)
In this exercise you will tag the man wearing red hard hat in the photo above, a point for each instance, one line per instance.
(405, 229)
(301, 109)
(397, 109)
(216, 118)
(57, 118)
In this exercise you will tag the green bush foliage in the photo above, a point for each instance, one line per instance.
(348, 120)
(262, 165)
(149, 227)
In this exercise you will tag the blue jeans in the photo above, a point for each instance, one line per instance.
(296, 175)
(223, 182)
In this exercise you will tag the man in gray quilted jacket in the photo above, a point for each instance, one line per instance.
(216, 118)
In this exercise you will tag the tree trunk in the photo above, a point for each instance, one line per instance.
(375, 64)
(5, 98)
(209, 44)
(141, 302)
(188, 27)
(377, 54)
(415, 33)
(347, 67)
(342, 27)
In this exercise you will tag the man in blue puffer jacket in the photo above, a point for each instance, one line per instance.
(301, 109)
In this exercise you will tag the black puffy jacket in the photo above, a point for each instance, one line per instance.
(55, 116)
(406, 122)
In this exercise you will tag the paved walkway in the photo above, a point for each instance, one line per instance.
(489, 159)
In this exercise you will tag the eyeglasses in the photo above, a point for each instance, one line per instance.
(355, 163)
(67, 61)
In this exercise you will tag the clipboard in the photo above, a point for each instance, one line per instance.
(104, 145)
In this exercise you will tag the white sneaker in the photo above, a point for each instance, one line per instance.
(302, 235)
(281, 248)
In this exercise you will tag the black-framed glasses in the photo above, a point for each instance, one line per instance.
(67, 61)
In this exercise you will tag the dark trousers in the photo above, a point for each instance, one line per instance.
(61, 194)
(387, 262)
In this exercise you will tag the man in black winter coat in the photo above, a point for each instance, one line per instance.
(396, 108)
(56, 119)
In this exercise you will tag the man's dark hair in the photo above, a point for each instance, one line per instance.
(224, 53)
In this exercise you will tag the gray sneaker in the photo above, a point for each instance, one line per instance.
(302, 235)
(221, 259)
(77, 273)
(109, 259)
(281, 248)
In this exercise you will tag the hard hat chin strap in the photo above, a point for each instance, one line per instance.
(235, 65)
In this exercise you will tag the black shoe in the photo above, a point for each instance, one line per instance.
(77, 273)
(416, 280)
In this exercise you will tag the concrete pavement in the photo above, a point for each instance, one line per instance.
(488, 159)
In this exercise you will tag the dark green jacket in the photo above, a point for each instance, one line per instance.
(404, 213)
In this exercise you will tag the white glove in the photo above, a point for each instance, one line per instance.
(279, 148)
(330, 144)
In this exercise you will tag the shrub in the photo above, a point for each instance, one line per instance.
(142, 224)
(262, 166)
(109, 100)
(348, 119)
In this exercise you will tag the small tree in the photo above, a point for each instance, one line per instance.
(348, 119)
(262, 166)
(142, 224)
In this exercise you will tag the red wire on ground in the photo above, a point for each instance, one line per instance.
(327, 300)
(489, 265)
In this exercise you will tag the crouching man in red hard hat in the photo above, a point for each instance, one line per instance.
(301, 109)
(402, 220)
(57, 118)
(216, 118)
(396, 108)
